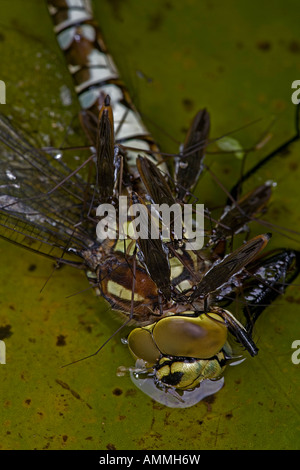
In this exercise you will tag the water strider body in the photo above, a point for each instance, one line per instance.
(177, 297)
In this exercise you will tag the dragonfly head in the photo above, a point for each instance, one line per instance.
(182, 349)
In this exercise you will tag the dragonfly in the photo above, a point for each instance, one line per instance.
(178, 298)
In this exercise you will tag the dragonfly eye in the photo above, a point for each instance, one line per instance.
(199, 337)
(142, 346)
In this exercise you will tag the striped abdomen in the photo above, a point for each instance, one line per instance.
(95, 74)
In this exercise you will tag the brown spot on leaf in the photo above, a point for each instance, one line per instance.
(111, 446)
(211, 399)
(130, 392)
(168, 5)
(116, 8)
(293, 166)
(5, 331)
(61, 340)
(155, 21)
(188, 104)
(294, 47)
(292, 299)
(264, 45)
(32, 267)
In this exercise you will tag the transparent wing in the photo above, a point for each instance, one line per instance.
(41, 207)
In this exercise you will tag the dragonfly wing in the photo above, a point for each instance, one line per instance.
(40, 208)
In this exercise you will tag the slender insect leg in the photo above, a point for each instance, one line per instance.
(269, 279)
(236, 188)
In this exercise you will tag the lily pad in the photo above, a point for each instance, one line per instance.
(237, 59)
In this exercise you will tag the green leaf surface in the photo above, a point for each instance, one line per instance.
(237, 59)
